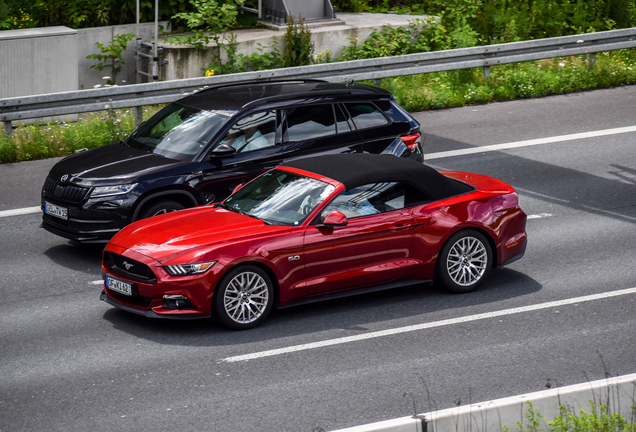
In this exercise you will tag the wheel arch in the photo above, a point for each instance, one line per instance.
(183, 197)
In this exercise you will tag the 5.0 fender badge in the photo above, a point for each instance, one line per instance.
(294, 258)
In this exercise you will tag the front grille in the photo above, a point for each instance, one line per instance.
(134, 269)
(67, 193)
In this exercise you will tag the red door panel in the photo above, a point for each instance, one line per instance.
(369, 250)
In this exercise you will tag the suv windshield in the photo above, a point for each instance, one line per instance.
(178, 131)
(280, 197)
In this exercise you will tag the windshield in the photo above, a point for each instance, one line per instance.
(178, 131)
(280, 197)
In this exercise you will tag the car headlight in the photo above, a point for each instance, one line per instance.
(188, 269)
(101, 191)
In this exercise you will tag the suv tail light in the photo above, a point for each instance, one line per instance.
(412, 141)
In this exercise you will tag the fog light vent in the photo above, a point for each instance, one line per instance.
(177, 302)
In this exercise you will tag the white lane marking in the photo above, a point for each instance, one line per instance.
(538, 216)
(447, 322)
(20, 211)
(512, 145)
(438, 155)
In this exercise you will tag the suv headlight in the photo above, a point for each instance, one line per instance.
(101, 191)
(188, 269)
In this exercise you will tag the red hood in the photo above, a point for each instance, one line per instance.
(190, 232)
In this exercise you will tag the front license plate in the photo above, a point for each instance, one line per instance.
(57, 211)
(119, 286)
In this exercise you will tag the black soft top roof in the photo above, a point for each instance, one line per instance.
(357, 169)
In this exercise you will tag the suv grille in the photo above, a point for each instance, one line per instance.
(68, 193)
(137, 271)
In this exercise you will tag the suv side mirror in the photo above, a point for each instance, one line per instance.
(334, 219)
(223, 150)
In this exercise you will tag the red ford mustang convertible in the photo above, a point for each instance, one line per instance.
(313, 229)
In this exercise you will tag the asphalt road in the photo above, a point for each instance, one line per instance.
(69, 362)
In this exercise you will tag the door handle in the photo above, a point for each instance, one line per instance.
(400, 226)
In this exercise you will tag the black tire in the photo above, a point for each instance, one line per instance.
(464, 261)
(160, 207)
(244, 297)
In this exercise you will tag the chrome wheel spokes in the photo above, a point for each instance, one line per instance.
(246, 297)
(467, 261)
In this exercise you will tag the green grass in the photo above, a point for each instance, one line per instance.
(598, 418)
(415, 93)
(48, 140)
(513, 81)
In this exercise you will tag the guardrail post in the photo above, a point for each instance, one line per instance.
(486, 71)
(591, 60)
(139, 115)
(7, 128)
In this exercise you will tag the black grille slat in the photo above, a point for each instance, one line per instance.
(138, 271)
(67, 193)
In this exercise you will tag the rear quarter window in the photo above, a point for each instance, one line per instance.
(366, 115)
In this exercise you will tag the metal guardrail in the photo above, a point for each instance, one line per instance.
(137, 95)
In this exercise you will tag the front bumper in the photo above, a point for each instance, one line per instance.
(149, 313)
(90, 221)
(84, 231)
(152, 283)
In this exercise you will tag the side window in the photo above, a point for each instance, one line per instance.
(310, 121)
(253, 132)
(366, 115)
(341, 121)
(369, 199)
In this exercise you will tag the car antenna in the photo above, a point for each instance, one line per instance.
(350, 84)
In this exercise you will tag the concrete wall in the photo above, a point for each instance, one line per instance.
(88, 77)
(53, 59)
(36, 61)
(185, 62)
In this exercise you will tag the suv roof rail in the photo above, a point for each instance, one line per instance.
(252, 82)
(305, 94)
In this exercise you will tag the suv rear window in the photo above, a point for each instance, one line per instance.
(365, 115)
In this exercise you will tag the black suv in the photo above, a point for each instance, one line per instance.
(197, 150)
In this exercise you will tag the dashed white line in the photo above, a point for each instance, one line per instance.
(417, 327)
(539, 216)
(20, 211)
(527, 143)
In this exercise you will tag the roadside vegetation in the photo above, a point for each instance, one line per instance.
(598, 418)
(460, 24)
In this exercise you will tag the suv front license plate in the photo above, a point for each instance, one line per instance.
(57, 211)
(119, 286)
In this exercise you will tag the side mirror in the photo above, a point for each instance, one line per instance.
(223, 150)
(334, 219)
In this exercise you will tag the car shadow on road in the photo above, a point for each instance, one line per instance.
(77, 256)
(348, 316)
